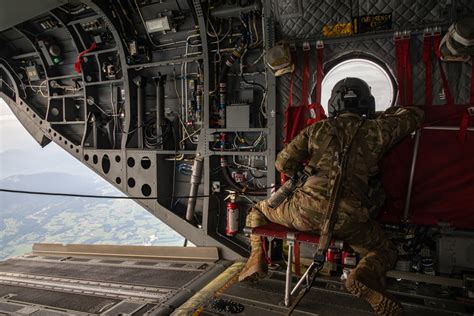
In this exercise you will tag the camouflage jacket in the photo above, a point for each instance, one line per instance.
(373, 140)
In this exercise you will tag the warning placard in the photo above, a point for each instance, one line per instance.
(372, 23)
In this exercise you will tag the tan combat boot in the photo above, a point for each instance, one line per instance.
(364, 284)
(256, 266)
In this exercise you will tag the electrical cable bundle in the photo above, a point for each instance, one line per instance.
(152, 140)
(185, 169)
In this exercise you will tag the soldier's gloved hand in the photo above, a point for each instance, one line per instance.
(378, 114)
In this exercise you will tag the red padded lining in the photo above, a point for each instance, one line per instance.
(443, 187)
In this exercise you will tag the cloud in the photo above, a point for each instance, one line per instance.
(21, 154)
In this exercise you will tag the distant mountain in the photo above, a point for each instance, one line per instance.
(26, 219)
(17, 161)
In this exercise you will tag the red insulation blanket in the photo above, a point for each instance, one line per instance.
(443, 186)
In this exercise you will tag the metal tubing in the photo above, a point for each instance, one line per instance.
(160, 106)
(303, 278)
(446, 128)
(288, 274)
(195, 182)
(412, 174)
(233, 11)
(140, 83)
(94, 132)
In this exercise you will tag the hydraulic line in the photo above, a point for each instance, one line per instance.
(195, 182)
(140, 82)
(160, 106)
(225, 11)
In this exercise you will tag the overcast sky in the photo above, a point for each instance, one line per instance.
(12, 134)
(15, 140)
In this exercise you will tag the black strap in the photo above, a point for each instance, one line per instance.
(330, 218)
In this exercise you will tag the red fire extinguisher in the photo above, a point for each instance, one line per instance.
(232, 222)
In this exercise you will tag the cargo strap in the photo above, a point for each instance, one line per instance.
(319, 71)
(315, 109)
(428, 68)
(471, 99)
(80, 57)
(296, 116)
(444, 79)
(402, 56)
(469, 113)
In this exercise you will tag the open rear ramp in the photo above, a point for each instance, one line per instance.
(106, 280)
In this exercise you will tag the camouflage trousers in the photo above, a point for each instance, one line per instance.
(364, 235)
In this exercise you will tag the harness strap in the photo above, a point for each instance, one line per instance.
(402, 56)
(399, 56)
(472, 84)
(469, 113)
(315, 110)
(408, 78)
(447, 91)
(290, 101)
(305, 75)
(319, 71)
(292, 77)
(428, 68)
(286, 123)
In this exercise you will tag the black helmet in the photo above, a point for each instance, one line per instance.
(351, 95)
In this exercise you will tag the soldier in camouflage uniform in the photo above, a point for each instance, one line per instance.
(361, 196)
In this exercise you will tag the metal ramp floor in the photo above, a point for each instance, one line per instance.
(131, 280)
(105, 280)
(328, 297)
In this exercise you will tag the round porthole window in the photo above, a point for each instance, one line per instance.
(380, 81)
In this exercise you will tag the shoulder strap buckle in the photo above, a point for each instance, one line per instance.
(428, 32)
(306, 46)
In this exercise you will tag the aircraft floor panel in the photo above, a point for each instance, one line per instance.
(168, 278)
(327, 297)
(60, 300)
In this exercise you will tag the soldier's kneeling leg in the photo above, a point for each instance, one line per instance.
(378, 256)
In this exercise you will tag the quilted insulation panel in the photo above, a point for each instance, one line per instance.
(299, 20)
